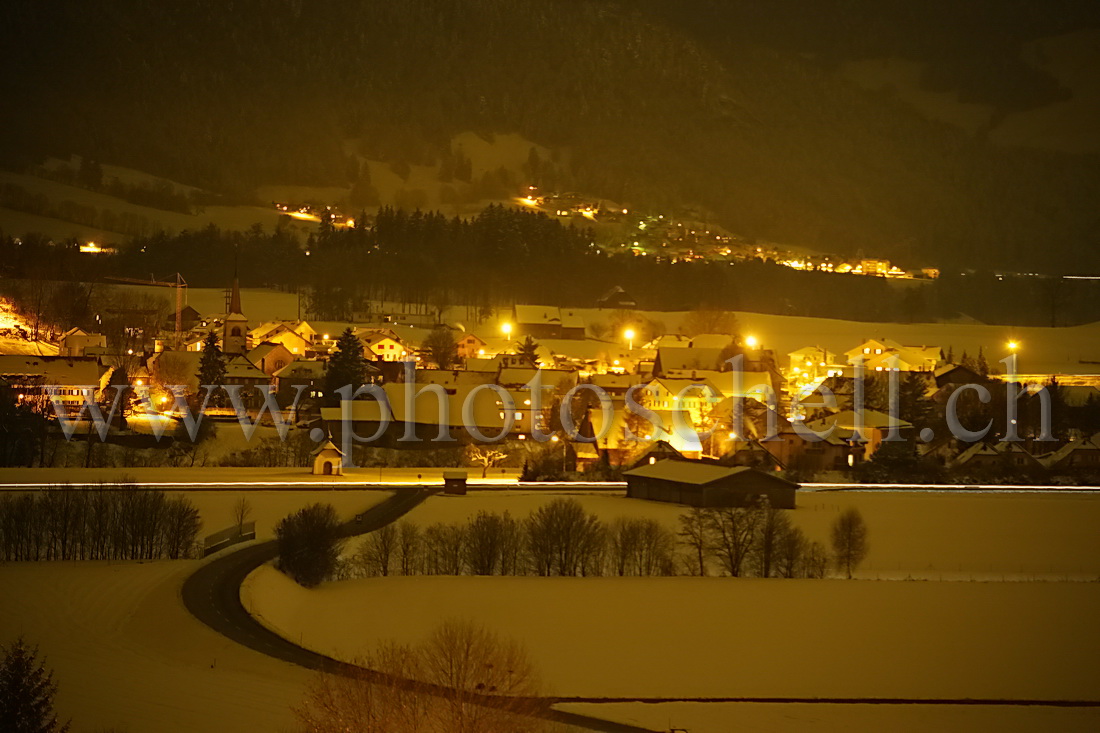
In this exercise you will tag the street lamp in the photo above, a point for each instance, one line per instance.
(507, 329)
(1013, 345)
(629, 334)
(750, 341)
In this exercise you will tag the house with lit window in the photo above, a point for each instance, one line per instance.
(469, 345)
(32, 379)
(879, 355)
(297, 337)
(383, 345)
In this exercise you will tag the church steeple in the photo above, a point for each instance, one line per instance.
(235, 334)
(235, 297)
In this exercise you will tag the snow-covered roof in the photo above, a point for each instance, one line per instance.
(871, 419)
(62, 370)
(691, 472)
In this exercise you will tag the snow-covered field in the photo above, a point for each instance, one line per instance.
(720, 637)
(249, 477)
(827, 718)
(928, 536)
(127, 655)
(268, 507)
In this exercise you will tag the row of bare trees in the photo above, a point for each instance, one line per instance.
(97, 524)
(561, 538)
(758, 540)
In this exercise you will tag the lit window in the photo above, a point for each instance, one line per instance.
(878, 351)
(867, 350)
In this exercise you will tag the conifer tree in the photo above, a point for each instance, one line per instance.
(26, 692)
(346, 365)
(212, 364)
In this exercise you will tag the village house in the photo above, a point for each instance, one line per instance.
(469, 345)
(76, 341)
(383, 345)
(33, 378)
(880, 355)
(1076, 456)
(547, 322)
(1001, 455)
(270, 357)
(297, 337)
(865, 429)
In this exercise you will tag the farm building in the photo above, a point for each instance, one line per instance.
(703, 484)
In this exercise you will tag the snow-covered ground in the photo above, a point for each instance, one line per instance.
(10, 341)
(247, 477)
(827, 718)
(721, 637)
(268, 507)
(128, 656)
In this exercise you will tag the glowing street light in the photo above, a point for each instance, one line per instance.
(1013, 345)
(507, 329)
(629, 334)
(750, 341)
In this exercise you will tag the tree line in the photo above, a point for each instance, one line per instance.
(560, 538)
(97, 524)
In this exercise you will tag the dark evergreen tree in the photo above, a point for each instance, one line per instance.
(981, 365)
(529, 349)
(212, 363)
(26, 692)
(346, 366)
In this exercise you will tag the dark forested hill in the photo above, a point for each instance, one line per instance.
(652, 109)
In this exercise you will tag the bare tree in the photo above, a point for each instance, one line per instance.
(375, 556)
(695, 534)
(790, 551)
(358, 700)
(734, 533)
(849, 537)
(488, 685)
(562, 539)
(242, 512)
(771, 526)
(443, 549)
(473, 662)
(622, 542)
(815, 561)
(485, 541)
(409, 546)
(640, 547)
(485, 456)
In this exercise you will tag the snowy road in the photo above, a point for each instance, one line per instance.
(212, 595)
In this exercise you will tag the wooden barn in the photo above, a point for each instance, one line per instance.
(707, 485)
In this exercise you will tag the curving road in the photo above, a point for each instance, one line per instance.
(212, 595)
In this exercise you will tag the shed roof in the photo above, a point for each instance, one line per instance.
(694, 473)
